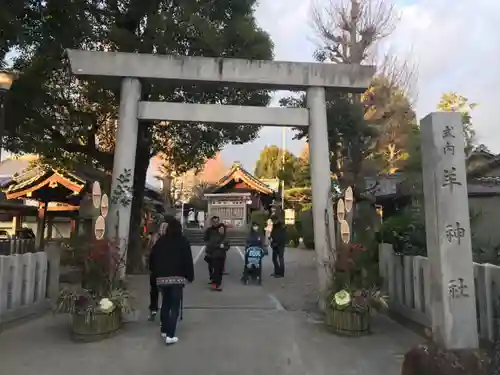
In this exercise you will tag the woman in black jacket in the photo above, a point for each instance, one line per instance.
(172, 264)
(154, 293)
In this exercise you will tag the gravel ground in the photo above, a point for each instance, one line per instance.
(297, 291)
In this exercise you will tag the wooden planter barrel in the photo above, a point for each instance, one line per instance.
(97, 327)
(348, 322)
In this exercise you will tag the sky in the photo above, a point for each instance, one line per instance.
(452, 42)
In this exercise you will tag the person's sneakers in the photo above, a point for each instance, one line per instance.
(152, 316)
(216, 288)
(171, 340)
(163, 335)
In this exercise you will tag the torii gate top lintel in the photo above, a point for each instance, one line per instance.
(279, 75)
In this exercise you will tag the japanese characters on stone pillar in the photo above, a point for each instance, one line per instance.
(453, 302)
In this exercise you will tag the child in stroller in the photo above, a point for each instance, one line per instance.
(254, 252)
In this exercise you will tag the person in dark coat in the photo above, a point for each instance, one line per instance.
(278, 243)
(255, 236)
(215, 252)
(154, 293)
(172, 263)
(209, 233)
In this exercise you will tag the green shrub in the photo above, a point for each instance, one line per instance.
(406, 232)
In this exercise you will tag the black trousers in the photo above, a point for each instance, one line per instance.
(153, 294)
(217, 270)
(170, 308)
(210, 268)
(279, 261)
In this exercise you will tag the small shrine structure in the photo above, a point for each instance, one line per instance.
(237, 195)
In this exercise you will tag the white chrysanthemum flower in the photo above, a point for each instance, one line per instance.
(342, 298)
(106, 305)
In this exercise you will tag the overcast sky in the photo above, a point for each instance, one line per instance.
(454, 43)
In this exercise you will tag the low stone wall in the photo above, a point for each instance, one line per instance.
(26, 283)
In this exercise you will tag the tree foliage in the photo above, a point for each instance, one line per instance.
(453, 102)
(367, 133)
(349, 136)
(198, 199)
(389, 110)
(64, 119)
(275, 162)
(303, 175)
(449, 102)
(49, 104)
(12, 17)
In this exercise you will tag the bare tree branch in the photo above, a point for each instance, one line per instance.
(401, 74)
(348, 30)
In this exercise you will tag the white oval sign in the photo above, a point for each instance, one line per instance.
(349, 199)
(340, 210)
(96, 194)
(99, 228)
(104, 205)
(345, 231)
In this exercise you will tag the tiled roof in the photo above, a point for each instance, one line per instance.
(31, 178)
(237, 171)
(484, 168)
(28, 181)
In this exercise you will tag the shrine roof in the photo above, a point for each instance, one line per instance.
(237, 173)
(483, 169)
(52, 185)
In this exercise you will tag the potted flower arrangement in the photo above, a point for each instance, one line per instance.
(353, 296)
(97, 306)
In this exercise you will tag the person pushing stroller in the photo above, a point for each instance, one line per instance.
(254, 252)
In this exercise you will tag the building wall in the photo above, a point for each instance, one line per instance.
(61, 227)
(484, 204)
(485, 220)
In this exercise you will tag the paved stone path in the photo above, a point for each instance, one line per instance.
(244, 330)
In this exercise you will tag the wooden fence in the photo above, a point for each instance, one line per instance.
(17, 246)
(408, 283)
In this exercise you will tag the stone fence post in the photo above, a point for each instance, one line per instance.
(53, 251)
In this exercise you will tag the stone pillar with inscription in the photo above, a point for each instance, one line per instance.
(453, 302)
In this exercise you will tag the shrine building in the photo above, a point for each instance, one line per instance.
(237, 195)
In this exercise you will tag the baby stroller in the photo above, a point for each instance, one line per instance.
(253, 264)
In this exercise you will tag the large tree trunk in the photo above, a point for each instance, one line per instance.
(135, 249)
(169, 203)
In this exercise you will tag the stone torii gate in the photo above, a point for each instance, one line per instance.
(314, 78)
